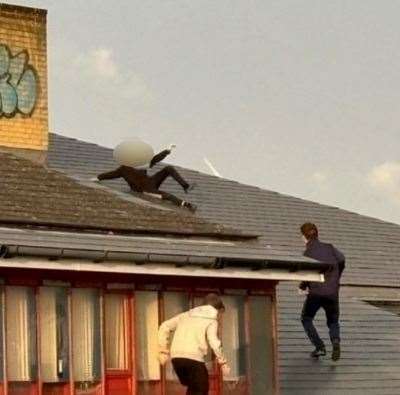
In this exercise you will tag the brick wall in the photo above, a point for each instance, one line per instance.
(23, 79)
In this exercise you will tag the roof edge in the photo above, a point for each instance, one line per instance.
(20, 8)
(53, 225)
(212, 261)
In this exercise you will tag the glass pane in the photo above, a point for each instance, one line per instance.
(21, 334)
(53, 309)
(234, 343)
(86, 338)
(174, 303)
(261, 346)
(147, 341)
(116, 331)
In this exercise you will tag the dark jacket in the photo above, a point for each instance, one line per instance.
(327, 253)
(137, 179)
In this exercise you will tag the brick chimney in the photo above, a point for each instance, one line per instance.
(23, 82)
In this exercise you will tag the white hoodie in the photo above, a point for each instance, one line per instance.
(195, 330)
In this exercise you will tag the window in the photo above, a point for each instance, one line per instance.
(54, 345)
(53, 310)
(86, 339)
(148, 369)
(234, 343)
(21, 338)
(116, 332)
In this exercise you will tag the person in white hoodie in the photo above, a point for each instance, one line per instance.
(195, 331)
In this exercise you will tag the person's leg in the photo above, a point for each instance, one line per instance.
(169, 171)
(179, 202)
(331, 307)
(311, 306)
(180, 366)
(198, 379)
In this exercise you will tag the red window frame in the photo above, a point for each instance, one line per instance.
(192, 287)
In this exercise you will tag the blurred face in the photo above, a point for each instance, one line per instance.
(305, 241)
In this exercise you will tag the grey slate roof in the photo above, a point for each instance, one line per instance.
(370, 362)
(371, 350)
(372, 247)
(33, 194)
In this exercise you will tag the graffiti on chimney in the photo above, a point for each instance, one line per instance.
(19, 85)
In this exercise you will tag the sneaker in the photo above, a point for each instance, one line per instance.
(190, 187)
(336, 352)
(192, 207)
(318, 352)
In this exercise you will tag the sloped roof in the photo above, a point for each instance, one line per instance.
(371, 246)
(370, 362)
(32, 194)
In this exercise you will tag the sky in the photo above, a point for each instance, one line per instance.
(299, 97)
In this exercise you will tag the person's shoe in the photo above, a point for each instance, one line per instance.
(192, 207)
(335, 351)
(318, 352)
(189, 187)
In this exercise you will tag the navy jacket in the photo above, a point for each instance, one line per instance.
(327, 253)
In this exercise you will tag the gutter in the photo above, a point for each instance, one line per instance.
(97, 256)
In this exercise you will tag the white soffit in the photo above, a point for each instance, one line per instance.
(160, 269)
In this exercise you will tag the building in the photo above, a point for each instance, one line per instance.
(88, 271)
(88, 274)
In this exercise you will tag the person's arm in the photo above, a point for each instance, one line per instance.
(159, 157)
(215, 342)
(164, 333)
(110, 175)
(340, 258)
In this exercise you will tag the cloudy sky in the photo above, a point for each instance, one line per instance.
(300, 97)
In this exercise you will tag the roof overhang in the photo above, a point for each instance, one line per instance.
(167, 256)
(160, 269)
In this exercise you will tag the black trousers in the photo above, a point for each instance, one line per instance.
(192, 374)
(168, 171)
(311, 306)
(157, 179)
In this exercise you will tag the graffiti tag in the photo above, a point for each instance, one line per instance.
(19, 85)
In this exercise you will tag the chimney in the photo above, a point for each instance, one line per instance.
(24, 125)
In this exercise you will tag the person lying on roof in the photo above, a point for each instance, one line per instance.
(139, 181)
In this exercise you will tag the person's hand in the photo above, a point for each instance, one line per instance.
(226, 369)
(163, 358)
(94, 179)
(302, 291)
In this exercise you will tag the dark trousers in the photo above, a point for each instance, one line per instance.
(139, 181)
(192, 374)
(158, 178)
(168, 171)
(311, 306)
